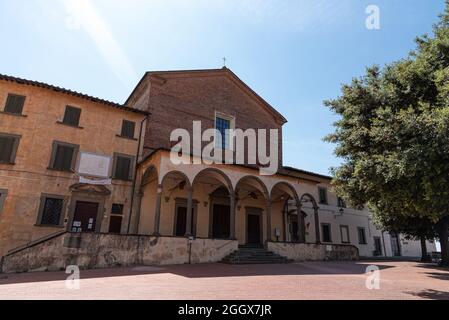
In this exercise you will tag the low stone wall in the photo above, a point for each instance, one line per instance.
(93, 250)
(314, 252)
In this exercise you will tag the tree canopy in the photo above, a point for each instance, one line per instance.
(393, 134)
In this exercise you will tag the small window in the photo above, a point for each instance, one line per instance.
(322, 195)
(326, 231)
(128, 128)
(223, 125)
(63, 156)
(14, 104)
(341, 202)
(8, 147)
(344, 230)
(51, 211)
(3, 194)
(362, 235)
(123, 165)
(117, 209)
(72, 116)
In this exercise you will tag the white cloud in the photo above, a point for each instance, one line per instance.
(83, 15)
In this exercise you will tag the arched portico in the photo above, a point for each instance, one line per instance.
(309, 198)
(284, 193)
(253, 205)
(220, 202)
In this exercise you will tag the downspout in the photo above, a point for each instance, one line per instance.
(135, 172)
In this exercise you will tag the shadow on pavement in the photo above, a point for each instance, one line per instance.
(212, 270)
(431, 294)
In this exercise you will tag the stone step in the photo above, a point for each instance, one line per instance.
(254, 255)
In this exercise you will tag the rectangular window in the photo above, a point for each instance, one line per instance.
(72, 116)
(51, 211)
(14, 104)
(326, 231)
(362, 235)
(322, 192)
(123, 166)
(344, 230)
(128, 128)
(8, 147)
(63, 156)
(222, 125)
(115, 222)
(341, 202)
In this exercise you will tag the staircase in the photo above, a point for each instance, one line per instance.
(251, 254)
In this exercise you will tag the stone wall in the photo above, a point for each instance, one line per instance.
(95, 250)
(314, 252)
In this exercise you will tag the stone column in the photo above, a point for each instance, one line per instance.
(269, 206)
(138, 204)
(317, 226)
(189, 212)
(286, 230)
(232, 204)
(301, 224)
(157, 215)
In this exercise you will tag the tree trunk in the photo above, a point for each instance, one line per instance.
(444, 241)
(424, 255)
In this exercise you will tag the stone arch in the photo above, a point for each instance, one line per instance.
(284, 186)
(218, 175)
(149, 171)
(179, 173)
(259, 183)
(306, 197)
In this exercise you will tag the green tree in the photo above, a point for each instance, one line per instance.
(393, 135)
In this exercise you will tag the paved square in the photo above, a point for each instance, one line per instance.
(308, 280)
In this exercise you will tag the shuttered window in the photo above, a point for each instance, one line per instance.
(128, 128)
(63, 156)
(8, 148)
(362, 235)
(322, 195)
(14, 104)
(123, 166)
(52, 211)
(72, 116)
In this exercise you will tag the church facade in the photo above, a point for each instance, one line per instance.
(74, 166)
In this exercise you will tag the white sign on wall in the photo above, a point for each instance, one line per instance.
(94, 165)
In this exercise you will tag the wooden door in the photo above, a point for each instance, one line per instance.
(253, 229)
(221, 221)
(85, 217)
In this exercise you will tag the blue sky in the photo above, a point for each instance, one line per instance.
(295, 53)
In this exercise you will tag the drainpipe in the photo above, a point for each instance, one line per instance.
(135, 172)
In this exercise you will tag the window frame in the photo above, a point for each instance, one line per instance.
(330, 232)
(326, 200)
(134, 131)
(71, 124)
(3, 195)
(364, 235)
(131, 168)
(43, 198)
(231, 120)
(15, 147)
(55, 145)
(345, 226)
(9, 96)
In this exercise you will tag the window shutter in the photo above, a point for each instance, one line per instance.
(14, 104)
(128, 128)
(123, 168)
(72, 116)
(6, 148)
(63, 158)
